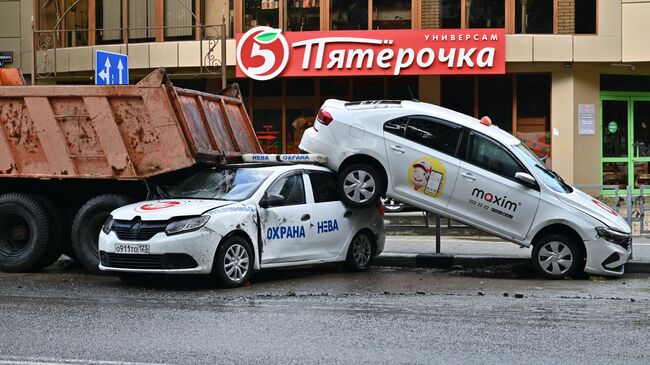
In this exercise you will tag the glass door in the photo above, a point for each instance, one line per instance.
(625, 141)
(640, 124)
(615, 144)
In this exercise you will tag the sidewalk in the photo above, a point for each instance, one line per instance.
(420, 251)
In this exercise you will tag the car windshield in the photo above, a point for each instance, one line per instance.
(550, 177)
(233, 184)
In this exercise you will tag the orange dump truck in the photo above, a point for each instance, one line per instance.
(71, 154)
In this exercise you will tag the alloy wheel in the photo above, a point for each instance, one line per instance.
(361, 250)
(236, 262)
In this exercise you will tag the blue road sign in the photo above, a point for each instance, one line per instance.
(111, 68)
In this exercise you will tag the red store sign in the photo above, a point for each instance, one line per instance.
(264, 53)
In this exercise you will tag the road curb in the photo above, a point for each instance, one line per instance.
(446, 261)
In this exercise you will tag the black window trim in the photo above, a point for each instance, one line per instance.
(432, 119)
(468, 147)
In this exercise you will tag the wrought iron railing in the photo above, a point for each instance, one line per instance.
(212, 48)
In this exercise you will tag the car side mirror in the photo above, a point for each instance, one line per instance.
(526, 178)
(272, 200)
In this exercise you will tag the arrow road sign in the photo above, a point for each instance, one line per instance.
(111, 68)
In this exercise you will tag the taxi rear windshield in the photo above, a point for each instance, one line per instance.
(233, 184)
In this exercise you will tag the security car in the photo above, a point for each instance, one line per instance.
(471, 171)
(232, 220)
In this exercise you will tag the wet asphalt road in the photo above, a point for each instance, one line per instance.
(325, 315)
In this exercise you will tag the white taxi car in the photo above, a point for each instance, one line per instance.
(471, 171)
(232, 220)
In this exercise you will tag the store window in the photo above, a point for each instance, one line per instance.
(368, 88)
(495, 100)
(261, 12)
(179, 19)
(458, 94)
(534, 113)
(485, 13)
(142, 21)
(109, 20)
(391, 14)
(450, 12)
(301, 109)
(76, 18)
(402, 87)
(348, 14)
(585, 16)
(534, 16)
(302, 15)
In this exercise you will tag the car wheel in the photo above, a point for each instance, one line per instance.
(391, 205)
(360, 186)
(360, 252)
(557, 256)
(233, 262)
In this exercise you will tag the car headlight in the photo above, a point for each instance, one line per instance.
(619, 238)
(187, 225)
(108, 225)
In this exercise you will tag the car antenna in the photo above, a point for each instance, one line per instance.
(411, 93)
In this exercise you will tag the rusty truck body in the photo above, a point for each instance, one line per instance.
(71, 154)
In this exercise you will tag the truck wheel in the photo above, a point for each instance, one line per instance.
(360, 186)
(556, 256)
(88, 223)
(360, 252)
(233, 262)
(59, 231)
(24, 233)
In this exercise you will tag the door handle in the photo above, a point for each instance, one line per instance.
(347, 214)
(468, 176)
(397, 148)
(305, 217)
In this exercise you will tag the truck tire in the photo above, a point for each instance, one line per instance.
(24, 233)
(88, 223)
(58, 231)
(360, 186)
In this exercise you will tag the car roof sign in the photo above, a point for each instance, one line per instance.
(293, 158)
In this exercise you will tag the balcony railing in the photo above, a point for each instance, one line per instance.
(211, 39)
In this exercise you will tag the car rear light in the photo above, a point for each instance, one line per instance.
(324, 117)
(381, 209)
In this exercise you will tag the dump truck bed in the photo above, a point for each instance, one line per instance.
(118, 132)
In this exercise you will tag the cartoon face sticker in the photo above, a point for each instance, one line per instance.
(427, 175)
(420, 174)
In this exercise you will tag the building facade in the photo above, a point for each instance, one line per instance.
(576, 87)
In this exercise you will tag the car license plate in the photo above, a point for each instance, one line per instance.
(132, 249)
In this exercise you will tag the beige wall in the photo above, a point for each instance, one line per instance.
(16, 30)
(575, 157)
(636, 28)
(429, 89)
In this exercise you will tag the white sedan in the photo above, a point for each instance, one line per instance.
(473, 172)
(232, 220)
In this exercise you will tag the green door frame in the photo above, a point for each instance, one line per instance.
(630, 97)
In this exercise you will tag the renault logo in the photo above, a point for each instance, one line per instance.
(136, 227)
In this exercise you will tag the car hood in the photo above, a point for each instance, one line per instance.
(158, 210)
(596, 209)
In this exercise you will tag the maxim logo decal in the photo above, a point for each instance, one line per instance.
(500, 201)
